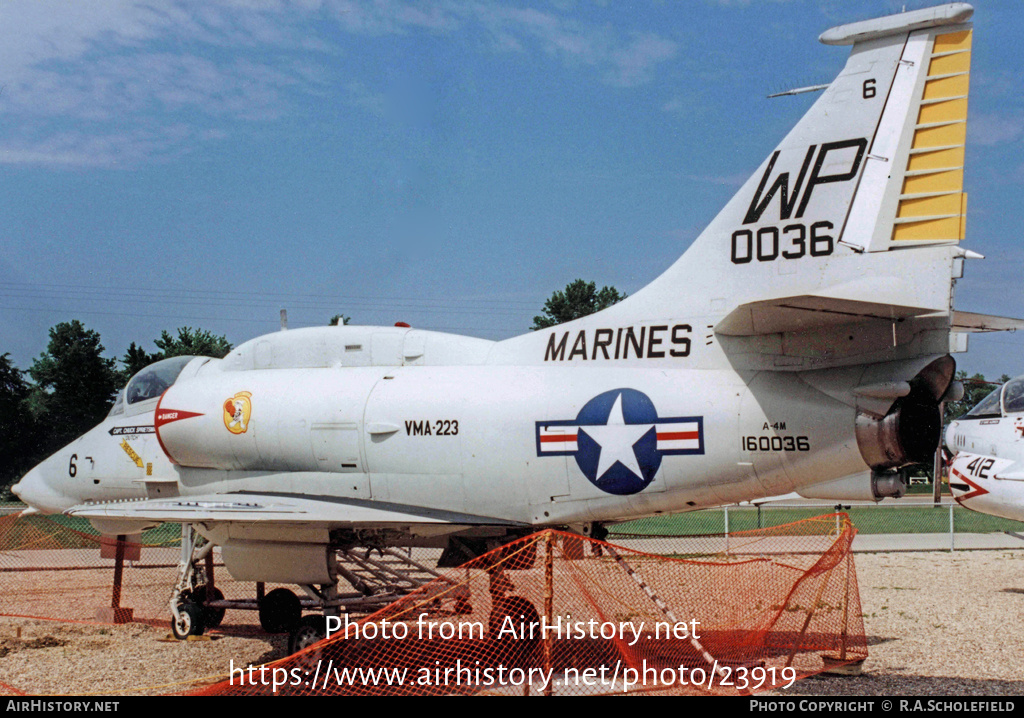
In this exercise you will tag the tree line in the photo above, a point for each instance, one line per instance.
(70, 387)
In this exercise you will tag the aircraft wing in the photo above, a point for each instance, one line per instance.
(273, 508)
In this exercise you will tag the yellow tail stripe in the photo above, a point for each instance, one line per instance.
(949, 158)
(952, 41)
(934, 177)
(944, 111)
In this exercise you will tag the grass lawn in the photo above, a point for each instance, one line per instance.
(867, 519)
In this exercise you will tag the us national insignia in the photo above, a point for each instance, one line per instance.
(237, 411)
(618, 440)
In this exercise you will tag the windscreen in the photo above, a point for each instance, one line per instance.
(153, 381)
(1013, 395)
(987, 407)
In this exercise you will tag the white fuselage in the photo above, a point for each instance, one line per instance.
(987, 471)
(538, 445)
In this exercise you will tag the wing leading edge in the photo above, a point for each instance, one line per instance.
(271, 508)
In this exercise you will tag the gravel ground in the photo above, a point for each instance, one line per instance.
(937, 624)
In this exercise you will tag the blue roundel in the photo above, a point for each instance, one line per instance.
(617, 444)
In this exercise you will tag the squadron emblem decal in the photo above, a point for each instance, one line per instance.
(237, 411)
(618, 440)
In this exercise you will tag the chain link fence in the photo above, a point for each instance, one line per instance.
(886, 526)
(948, 525)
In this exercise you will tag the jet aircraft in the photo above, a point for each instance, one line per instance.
(802, 342)
(987, 448)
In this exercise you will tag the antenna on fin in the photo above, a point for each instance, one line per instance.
(801, 90)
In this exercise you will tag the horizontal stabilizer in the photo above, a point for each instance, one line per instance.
(802, 313)
(970, 322)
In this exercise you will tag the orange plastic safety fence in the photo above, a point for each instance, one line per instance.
(555, 613)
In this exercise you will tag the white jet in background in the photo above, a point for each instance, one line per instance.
(987, 444)
(802, 343)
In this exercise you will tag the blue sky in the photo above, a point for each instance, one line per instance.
(447, 164)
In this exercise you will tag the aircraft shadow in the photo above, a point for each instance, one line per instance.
(278, 649)
(879, 640)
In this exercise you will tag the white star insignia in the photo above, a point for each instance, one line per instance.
(616, 439)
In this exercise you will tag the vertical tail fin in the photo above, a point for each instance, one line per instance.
(841, 248)
(879, 157)
(875, 164)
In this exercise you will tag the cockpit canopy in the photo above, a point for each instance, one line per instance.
(1006, 399)
(149, 383)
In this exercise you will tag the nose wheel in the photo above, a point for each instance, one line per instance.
(189, 614)
(197, 605)
(188, 621)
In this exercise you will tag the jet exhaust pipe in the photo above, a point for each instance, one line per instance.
(908, 434)
(911, 430)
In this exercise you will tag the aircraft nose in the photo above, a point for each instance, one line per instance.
(34, 490)
(951, 438)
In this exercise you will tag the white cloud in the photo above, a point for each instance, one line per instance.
(112, 83)
(102, 83)
(634, 63)
(625, 58)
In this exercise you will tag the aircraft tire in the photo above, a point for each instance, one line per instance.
(212, 617)
(311, 629)
(190, 622)
(280, 611)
